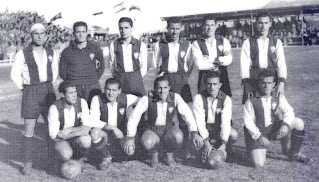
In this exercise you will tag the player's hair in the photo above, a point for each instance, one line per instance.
(208, 17)
(174, 20)
(126, 19)
(111, 81)
(64, 85)
(160, 78)
(266, 73)
(78, 24)
(263, 13)
(213, 74)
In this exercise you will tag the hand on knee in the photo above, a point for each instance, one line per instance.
(129, 146)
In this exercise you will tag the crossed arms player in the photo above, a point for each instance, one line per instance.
(211, 54)
(159, 128)
(109, 121)
(268, 117)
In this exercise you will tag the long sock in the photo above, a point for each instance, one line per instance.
(102, 148)
(27, 147)
(296, 141)
(284, 144)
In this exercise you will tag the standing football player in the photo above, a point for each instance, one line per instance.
(128, 59)
(262, 51)
(34, 70)
(211, 54)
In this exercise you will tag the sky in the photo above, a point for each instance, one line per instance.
(148, 19)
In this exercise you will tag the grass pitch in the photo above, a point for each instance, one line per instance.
(302, 92)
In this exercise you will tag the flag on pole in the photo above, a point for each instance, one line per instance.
(119, 7)
(58, 16)
(98, 13)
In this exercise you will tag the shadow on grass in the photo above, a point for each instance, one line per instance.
(11, 146)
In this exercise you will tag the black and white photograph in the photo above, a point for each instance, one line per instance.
(159, 90)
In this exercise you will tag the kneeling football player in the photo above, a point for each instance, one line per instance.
(213, 112)
(108, 113)
(159, 127)
(67, 117)
(268, 117)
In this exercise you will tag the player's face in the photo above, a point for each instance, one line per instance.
(112, 91)
(80, 34)
(263, 25)
(210, 28)
(213, 86)
(267, 85)
(70, 95)
(125, 30)
(162, 89)
(38, 37)
(174, 30)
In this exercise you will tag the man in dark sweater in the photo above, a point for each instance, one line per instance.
(82, 63)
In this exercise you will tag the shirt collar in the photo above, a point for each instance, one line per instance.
(89, 45)
(180, 41)
(168, 100)
(219, 96)
(133, 41)
(30, 49)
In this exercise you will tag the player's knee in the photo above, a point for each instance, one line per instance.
(29, 126)
(84, 141)
(178, 138)
(175, 135)
(298, 124)
(233, 134)
(148, 141)
(95, 134)
(64, 151)
(66, 155)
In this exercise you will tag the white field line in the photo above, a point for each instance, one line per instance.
(10, 96)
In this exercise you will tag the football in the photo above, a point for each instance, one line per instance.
(71, 169)
(215, 159)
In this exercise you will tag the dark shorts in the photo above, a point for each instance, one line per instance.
(87, 92)
(131, 82)
(179, 84)
(214, 135)
(270, 133)
(115, 145)
(73, 143)
(36, 100)
(160, 131)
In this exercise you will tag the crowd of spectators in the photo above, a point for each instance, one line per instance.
(15, 35)
(289, 31)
